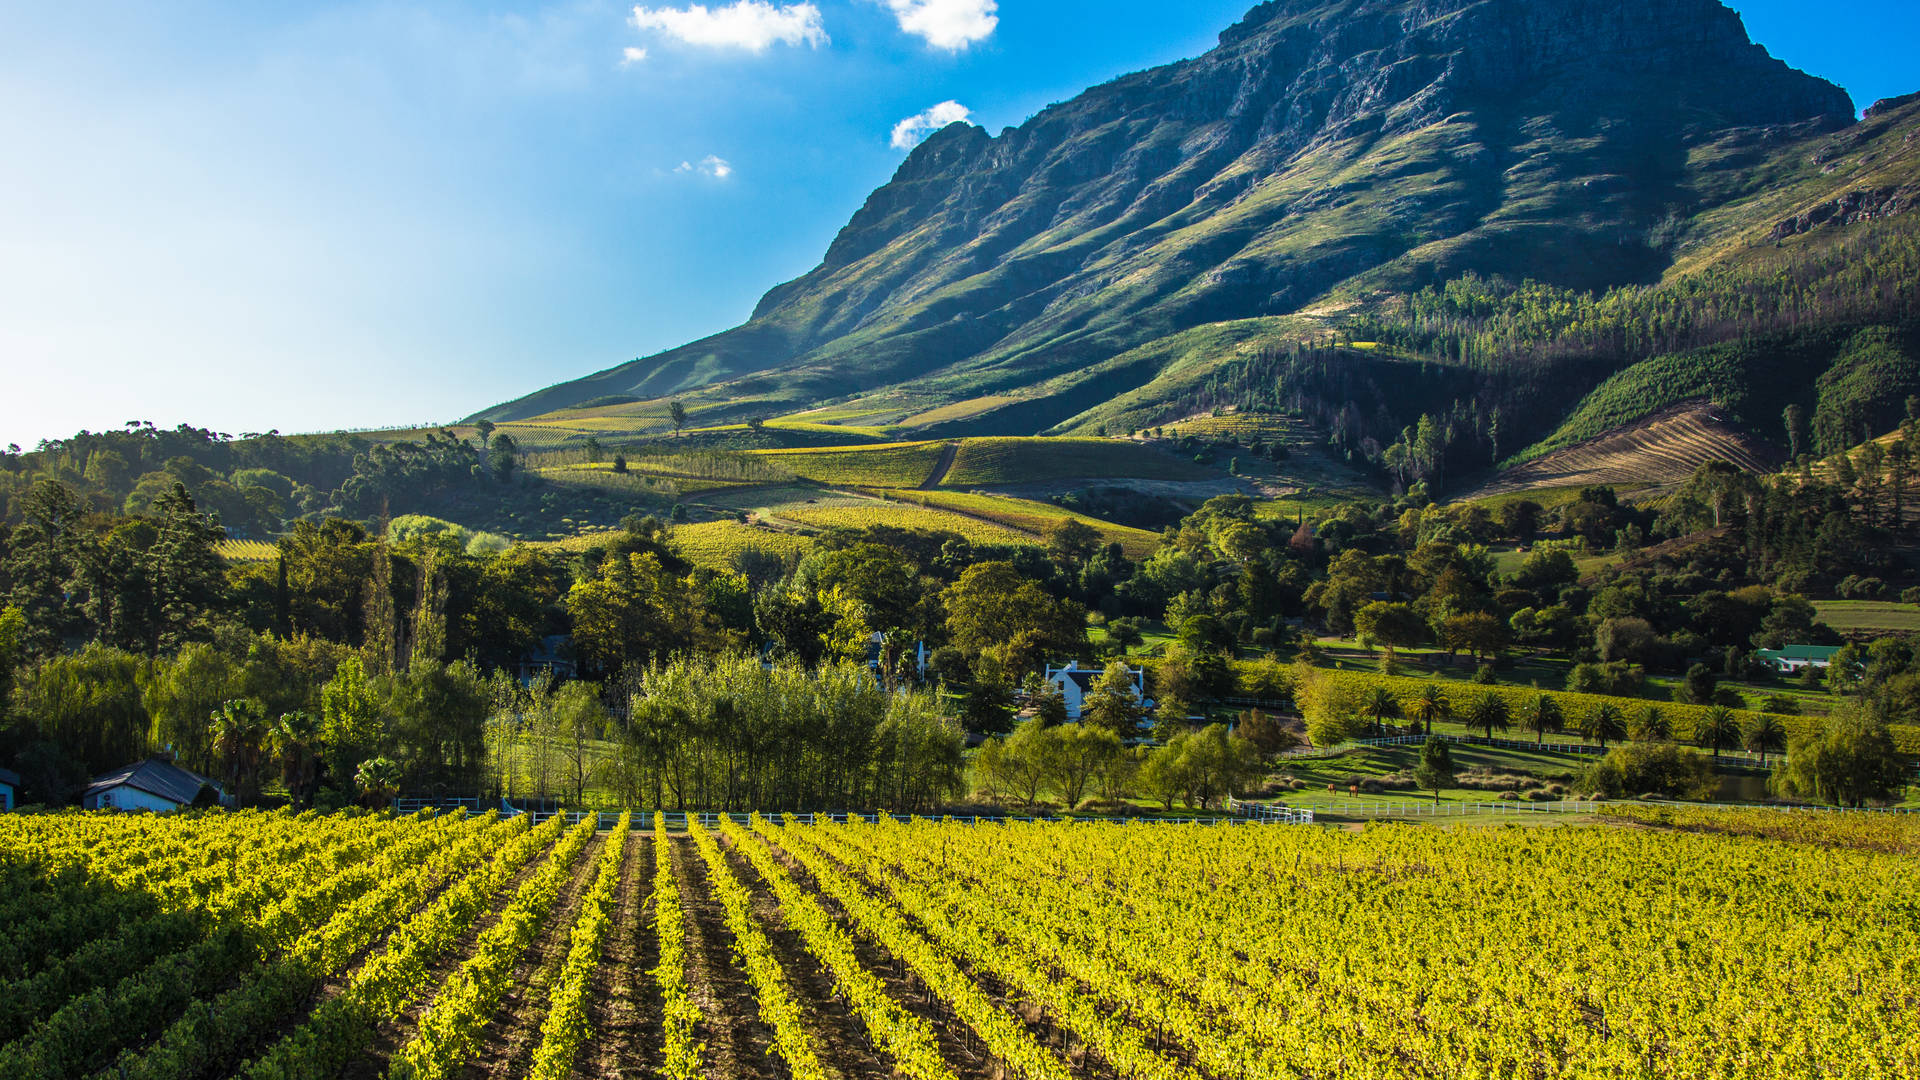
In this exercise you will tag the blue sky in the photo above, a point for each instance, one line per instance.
(310, 216)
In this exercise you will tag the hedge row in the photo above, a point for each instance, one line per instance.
(1683, 717)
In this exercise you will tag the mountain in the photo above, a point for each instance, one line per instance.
(1111, 257)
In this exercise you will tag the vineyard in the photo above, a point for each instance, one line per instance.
(271, 946)
(988, 462)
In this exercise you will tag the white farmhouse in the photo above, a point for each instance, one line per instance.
(1076, 682)
(152, 784)
(9, 789)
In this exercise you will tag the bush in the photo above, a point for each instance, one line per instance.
(1649, 768)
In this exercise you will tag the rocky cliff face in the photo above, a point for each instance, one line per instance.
(1361, 144)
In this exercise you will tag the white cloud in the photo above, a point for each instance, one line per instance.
(632, 55)
(753, 25)
(946, 24)
(712, 166)
(908, 133)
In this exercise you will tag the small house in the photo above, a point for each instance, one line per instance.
(9, 789)
(153, 784)
(1793, 659)
(1076, 682)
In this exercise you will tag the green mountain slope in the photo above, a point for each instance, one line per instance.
(1113, 261)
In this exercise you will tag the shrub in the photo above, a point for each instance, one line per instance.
(1650, 768)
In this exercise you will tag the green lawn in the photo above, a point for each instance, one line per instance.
(1889, 616)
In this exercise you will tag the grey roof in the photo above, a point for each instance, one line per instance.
(11, 779)
(155, 777)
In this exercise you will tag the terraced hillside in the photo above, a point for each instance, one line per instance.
(1662, 449)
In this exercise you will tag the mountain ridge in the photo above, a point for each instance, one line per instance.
(1367, 145)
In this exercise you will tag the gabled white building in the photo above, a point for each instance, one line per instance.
(1076, 683)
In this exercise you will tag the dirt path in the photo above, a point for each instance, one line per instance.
(623, 1007)
(737, 1041)
(394, 1034)
(941, 467)
(510, 1037)
(840, 1039)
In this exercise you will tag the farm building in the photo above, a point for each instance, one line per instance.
(9, 789)
(153, 784)
(1076, 682)
(1793, 658)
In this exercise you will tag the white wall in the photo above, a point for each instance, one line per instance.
(128, 798)
(6, 796)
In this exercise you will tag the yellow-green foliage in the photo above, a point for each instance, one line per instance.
(247, 550)
(717, 544)
(985, 462)
(895, 465)
(958, 410)
(874, 433)
(1034, 517)
(1331, 691)
(1896, 834)
(904, 517)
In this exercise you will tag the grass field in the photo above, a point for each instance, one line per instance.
(247, 550)
(718, 544)
(894, 465)
(1034, 517)
(465, 946)
(994, 461)
(1869, 615)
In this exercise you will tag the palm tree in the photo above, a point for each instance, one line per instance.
(1380, 707)
(1766, 733)
(1488, 710)
(239, 734)
(1430, 704)
(1717, 728)
(379, 780)
(295, 740)
(1603, 722)
(1542, 714)
(1652, 725)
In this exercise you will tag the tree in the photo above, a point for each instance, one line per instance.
(1072, 542)
(1541, 715)
(240, 732)
(988, 704)
(1717, 728)
(350, 724)
(1602, 723)
(1436, 767)
(1794, 418)
(1851, 761)
(1700, 685)
(378, 780)
(993, 607)
(1113, 703)
(1430, 704)
(1080, 751)
(1379, 706)
(1028, 760)
(1765, 734)
(1048, 703)
(1393, 625)
(1651, 725)
(294, 741)
(1487, 710)
(677, 412)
